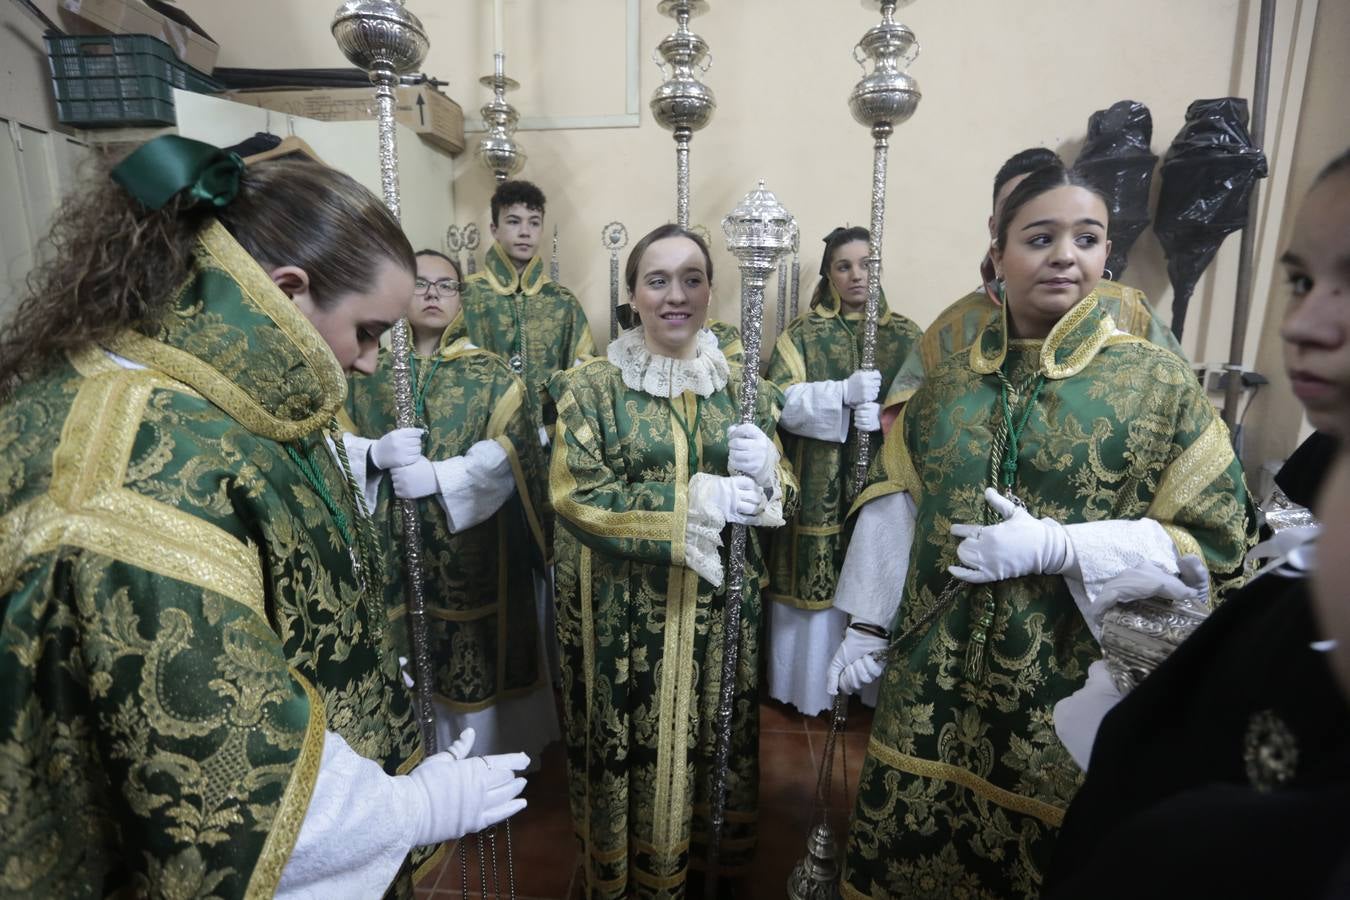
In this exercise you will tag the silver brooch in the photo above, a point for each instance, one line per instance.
(1270, 751)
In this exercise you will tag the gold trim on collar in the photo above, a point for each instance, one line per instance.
(218, 249)
(830, 307)
(1076, 361)
(528, 281)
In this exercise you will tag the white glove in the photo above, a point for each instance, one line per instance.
(414, 481)
(867, 416)
(1019, 545)
(862, 386)
(735, 497)
(399, 447)
(1191, 588)
(1079, 715)
(751, 452)
(856, 663)
(447, 797)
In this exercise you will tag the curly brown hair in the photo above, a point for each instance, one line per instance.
(115, 265)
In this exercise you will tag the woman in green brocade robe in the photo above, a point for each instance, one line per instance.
(817, 364)
(198, 695)
(480, 463)
(1109, 439)
(638, 478)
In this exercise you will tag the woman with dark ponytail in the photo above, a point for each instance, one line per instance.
(831, 400)
(1020, 478)
(197, 689)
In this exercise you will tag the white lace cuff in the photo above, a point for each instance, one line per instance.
(1102, 550)
(703, 529)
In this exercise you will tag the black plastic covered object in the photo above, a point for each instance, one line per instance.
(1207, 180)
(1116, 158)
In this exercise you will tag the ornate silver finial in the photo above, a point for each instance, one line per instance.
(683, 104)
(498, 150)
(614, 237)
(384, 40)
(759, 230)
(471, 242)
(380, 35)
(885, 97)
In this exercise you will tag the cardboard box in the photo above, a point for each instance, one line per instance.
(133, 17)
(434, 116)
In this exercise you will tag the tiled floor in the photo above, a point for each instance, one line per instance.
(790, 751)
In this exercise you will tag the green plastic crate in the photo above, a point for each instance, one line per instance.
(119, 79)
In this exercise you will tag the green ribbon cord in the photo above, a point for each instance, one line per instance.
(690, 431)
(165, 167)
(420, 385)
(1008, 465)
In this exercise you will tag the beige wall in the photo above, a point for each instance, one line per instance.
(996, 77)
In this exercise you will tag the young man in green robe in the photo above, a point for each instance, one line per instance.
(957, 327)
(512, 307)
(474, 475)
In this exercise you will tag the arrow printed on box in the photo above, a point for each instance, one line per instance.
(421, 109)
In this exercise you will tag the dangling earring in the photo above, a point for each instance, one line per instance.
(1002, 289)
(1106, 275)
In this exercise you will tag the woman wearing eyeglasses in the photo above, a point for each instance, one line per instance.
(474, 478)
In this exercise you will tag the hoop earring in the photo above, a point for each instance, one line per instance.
(1106, 274)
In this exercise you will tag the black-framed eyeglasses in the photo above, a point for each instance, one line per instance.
(443, 287)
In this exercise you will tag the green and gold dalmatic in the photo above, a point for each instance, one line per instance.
(182, 617)
(824, 344)
(480, 591)
(641, 633)
(965, 782)
(525, 317)
(728, 340)
(965, 320)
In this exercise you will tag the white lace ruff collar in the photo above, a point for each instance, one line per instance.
(662, 376)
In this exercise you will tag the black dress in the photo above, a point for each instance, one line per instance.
(1226, 773)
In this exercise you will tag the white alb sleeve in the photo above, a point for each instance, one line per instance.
(352, 840)
(475, 485)
(816, 409)
(872, 579)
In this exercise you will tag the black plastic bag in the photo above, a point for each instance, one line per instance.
(1207, 180)
(1116, 158)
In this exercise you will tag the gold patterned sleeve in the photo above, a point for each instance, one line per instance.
(786, 365)
(206, 744)
(1201, 499)
(610, 512)
(583, 344)
(510, 427)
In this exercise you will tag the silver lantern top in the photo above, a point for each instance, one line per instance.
(887, 95)
(683, 104)
(759, 229)
(380, 36)
(498, 150)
